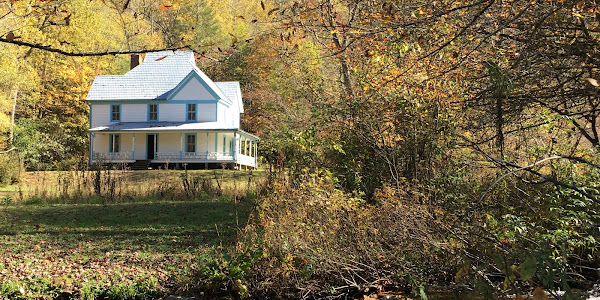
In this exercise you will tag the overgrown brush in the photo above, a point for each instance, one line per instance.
(319, 240)
(10, 169)
(120, 185)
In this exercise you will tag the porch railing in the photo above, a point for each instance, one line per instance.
(115, 156)
(178, 156)
(246, 160)
(191, 156)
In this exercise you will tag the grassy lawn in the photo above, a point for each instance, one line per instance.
(121, 248)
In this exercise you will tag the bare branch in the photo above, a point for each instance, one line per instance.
(81, 54)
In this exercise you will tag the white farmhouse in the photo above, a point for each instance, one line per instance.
(165, 110)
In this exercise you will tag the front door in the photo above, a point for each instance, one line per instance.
(151, 145)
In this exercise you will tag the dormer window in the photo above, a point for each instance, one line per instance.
(115, 113)
(152, 112)
(191, 112)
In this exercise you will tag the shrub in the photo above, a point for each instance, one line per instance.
(10, 170)
(219, 273)
(318, 239)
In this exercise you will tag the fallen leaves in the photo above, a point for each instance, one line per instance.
(68, 246)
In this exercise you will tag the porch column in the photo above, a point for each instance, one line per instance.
(234, 145)
(216, 141)
(133, 146)
(92, 146)
(181, 146)
(255, 153)
(207, 134)
(113, 146)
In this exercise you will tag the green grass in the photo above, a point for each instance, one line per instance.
(127, 249)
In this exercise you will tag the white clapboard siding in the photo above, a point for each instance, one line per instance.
(101, 143)
(231, 116)
(172, 112)
(169, 142)
(221, 113)
(100, 114)
(126, 144)
(140, 146)
(134, 113)
(194, 90)
(207, 112)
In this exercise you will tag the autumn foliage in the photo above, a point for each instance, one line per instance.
(407, 144)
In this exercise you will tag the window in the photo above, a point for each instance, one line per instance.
(190, 142)
(114, 143)
(224, 145)
(152, 112)
(191, 112)
(115, 113)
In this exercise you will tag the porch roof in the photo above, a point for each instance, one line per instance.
(168, 126)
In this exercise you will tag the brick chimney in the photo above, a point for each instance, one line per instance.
(136, 59)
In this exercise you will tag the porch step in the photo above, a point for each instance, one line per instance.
(140, 165)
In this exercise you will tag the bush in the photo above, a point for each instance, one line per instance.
(10, 170)
(318, 239)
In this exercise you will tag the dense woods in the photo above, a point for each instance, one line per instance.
(408, 144)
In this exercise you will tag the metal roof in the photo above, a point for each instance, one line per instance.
(155, 79)
(232, 90)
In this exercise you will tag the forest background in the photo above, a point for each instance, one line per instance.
(408, 142)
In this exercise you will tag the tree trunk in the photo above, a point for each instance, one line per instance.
(12, 119)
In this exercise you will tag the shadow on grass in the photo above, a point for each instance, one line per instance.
(162, 226)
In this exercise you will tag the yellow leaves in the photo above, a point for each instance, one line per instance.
(462, 273)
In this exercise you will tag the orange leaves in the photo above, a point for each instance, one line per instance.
(164, 7)
(539, 294)
(395, 72)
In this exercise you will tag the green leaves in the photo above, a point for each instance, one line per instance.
(528, 268)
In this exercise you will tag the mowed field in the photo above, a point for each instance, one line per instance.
(114, 249)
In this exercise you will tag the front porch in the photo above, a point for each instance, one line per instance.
(235, 147)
